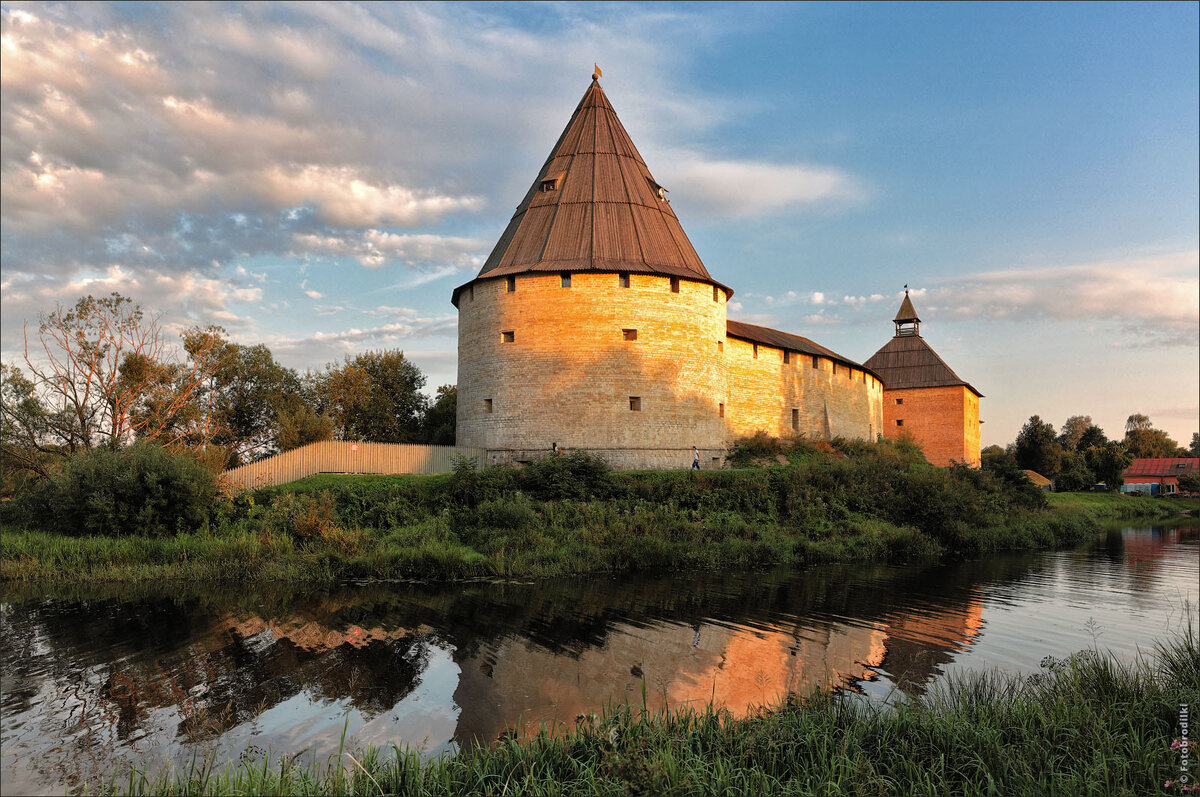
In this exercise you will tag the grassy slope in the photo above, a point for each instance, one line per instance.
(871, 503)
(1087, 725)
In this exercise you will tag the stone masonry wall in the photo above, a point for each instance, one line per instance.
(569, 374)
(783, 399)
(943, 421)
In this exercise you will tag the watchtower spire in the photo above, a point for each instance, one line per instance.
(906, 320)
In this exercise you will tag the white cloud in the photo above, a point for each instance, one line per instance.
(314, 294)
(1155, 300)
(375, 248)
(749, 187)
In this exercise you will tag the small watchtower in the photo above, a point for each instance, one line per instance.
(923, 399)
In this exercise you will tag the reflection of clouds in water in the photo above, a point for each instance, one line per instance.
(434, 667)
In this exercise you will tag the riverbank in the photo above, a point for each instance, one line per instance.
(848, 502)
(1082, 725)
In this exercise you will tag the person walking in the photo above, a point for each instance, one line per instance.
(695, 459)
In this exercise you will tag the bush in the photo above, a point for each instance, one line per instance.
(141, 489)
(577, 475)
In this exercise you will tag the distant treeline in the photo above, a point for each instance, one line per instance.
(101, 374)
(1081, 455)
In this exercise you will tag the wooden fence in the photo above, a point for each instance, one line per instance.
(337, 457)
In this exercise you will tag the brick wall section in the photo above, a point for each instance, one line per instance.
(568, 374)
(943, 421)
(763, 391)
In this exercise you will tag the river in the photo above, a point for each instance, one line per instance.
(95, 679)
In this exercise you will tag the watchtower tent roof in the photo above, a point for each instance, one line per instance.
(906, 312)
(908, 361)
(594, 206)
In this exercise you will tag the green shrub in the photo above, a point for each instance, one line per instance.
(577, 475)
(141, 489)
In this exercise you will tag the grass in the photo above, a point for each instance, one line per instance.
(842, 502)
(1117, 506)
(1089, 724)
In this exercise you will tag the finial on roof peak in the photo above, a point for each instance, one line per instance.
(597, 73)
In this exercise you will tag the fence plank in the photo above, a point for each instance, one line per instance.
(331, 456)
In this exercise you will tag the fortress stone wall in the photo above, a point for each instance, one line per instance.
(637, 374)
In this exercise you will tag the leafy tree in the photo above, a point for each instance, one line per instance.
(1194, 448)
(439, 424)
(1143, 440)
(1092, 436)
(376, 396)
(1072, 431)
(1037, 449)
(27, 443)
(102, 371)
(300, 425)
(1074, 475)
(1190, 482)
(1108, 462)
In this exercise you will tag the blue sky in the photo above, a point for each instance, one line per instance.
(319, 177)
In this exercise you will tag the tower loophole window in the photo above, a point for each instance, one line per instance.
(816, 361)
(900, 422)
(487, 405)
(629, 334)
(795, 419)
(566, 280)
(720, 345)
(624, 280)
(635, 403)
(787, 356)
(674, 284)
(508, 337)
(512, 284)
(755, 350)
(899, 401)
(716, 291)
(720, 410)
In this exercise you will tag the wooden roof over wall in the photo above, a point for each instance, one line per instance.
(789, 342)
(604, 214)
(907, 361)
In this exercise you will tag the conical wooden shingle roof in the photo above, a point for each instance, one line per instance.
(594, 206)
(907, 361)
(906, 312)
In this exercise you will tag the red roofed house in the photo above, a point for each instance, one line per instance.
(1158, 476)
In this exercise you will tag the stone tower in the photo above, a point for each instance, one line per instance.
(923, 399)
(593, 324)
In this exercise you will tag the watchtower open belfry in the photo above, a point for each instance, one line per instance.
(594, 325)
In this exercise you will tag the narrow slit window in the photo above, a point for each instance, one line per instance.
(787, 356)
(834, 368)
(674, 284)
(716, 297)
(487, 405)
(720, 410)
(720, 345)
(512, 284)
(755, 350)
(624, 280)
(508, 337)
(816, 361)
(471, 294)
(566, 280)
(795, 419)
(629, 334)
(635, 403)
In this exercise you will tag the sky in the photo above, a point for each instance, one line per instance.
(318, 177)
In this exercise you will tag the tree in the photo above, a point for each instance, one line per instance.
(1092, 436)
(1189, 482)
(300, 425)
(1073, 430)
(101, 370)
(375, 396)
(1143, 440)
(439, 424)
(1194, 448)
(1037, 448)
(248, 394)
(1108, 462)
(1074, 475)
